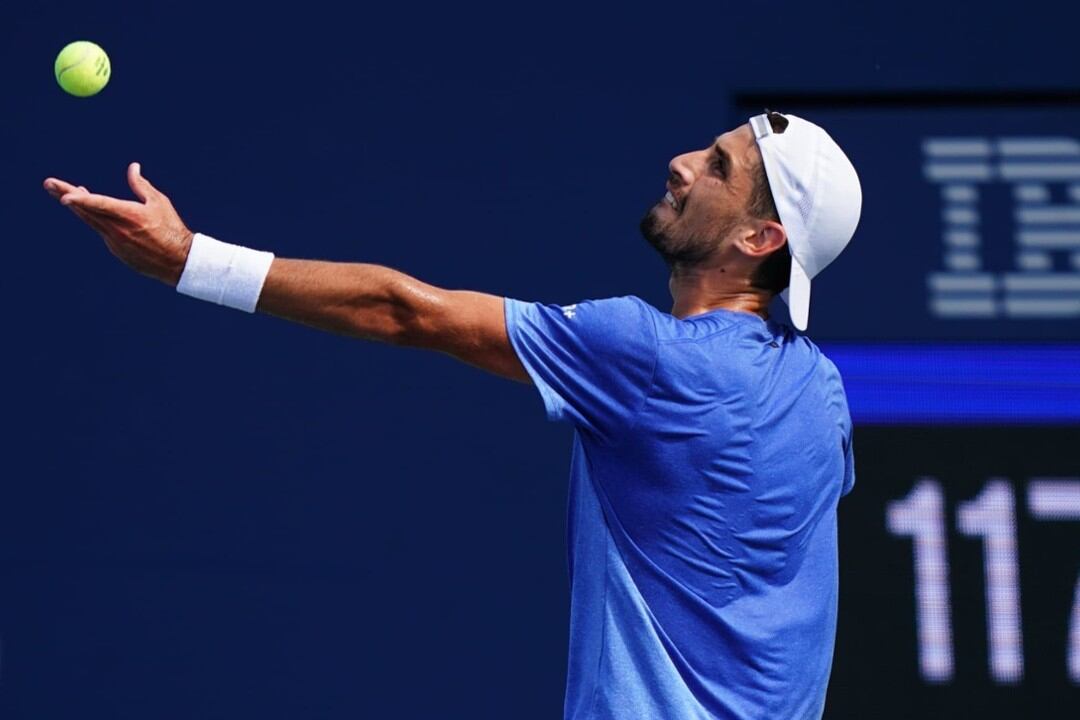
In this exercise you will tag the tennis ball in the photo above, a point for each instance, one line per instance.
(82, 68)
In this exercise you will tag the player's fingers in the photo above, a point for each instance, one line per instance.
(102, 205)
(140, 185)
(58, 188)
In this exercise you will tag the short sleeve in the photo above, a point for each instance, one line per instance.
(592, 362)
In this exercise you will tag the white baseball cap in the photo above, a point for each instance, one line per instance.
(817, 196)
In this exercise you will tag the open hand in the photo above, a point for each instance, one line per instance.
(148, 235)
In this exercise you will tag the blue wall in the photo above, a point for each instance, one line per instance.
(208, 514)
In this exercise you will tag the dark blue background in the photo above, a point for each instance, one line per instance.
(207, 514)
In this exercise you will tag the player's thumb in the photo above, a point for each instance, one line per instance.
(140, 185)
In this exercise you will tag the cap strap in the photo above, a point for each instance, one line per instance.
(761, 125)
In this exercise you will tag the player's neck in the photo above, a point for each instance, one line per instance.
(699, 290)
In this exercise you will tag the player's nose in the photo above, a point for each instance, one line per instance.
(680, 171)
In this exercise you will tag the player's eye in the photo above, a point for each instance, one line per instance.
(719, 165)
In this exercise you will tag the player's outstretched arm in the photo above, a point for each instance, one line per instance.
(377, 303)
(360, 300)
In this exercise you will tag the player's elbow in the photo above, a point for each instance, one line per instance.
(411, 319)
(384, 308)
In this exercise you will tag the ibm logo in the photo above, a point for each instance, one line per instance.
(1044, 173)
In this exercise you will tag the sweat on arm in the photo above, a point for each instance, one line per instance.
(378, 303)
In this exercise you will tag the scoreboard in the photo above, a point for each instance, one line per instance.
(954, 318)
(960, 575)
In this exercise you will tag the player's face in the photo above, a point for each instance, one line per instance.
(708, 192)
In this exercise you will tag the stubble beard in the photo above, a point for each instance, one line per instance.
(678, 247)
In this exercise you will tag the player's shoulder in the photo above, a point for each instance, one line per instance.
(624, 321)
(826, 369)
(619, 303)
(835, 393)
(619, 313)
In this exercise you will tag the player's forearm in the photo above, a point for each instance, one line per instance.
(360, 300)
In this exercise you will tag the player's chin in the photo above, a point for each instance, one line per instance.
(656, 228)
(658, 217)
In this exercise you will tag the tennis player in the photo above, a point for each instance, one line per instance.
(712, 443)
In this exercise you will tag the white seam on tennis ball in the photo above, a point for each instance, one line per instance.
(86, 51)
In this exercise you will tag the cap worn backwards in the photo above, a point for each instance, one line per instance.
(818, 198)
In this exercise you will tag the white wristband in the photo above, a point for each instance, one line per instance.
(230, 275)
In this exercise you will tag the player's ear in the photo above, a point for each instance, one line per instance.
(763, 238)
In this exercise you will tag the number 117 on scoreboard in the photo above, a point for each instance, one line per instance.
(991, 517)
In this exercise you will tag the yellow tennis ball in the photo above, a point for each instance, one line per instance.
(82, 68)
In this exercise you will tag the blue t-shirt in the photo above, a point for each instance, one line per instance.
(709, 456)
